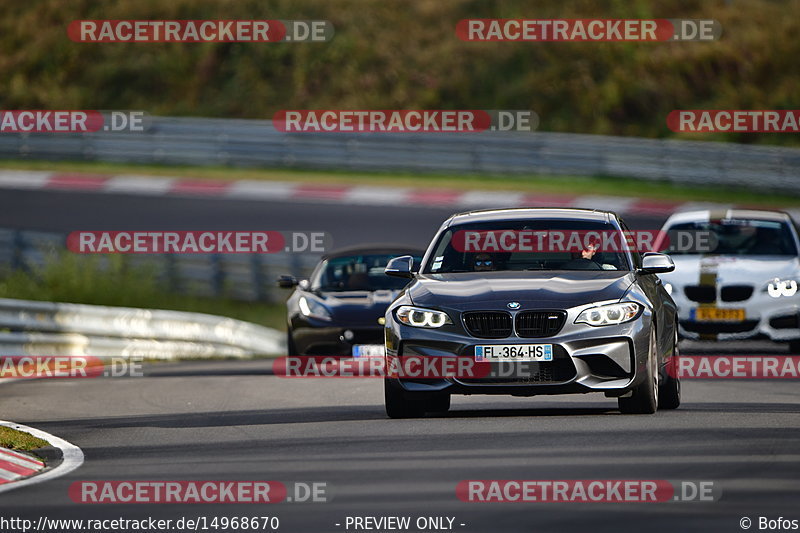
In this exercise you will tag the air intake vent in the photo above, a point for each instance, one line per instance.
(736, 293)
(540, 323)
(705, 294)
(488, 324)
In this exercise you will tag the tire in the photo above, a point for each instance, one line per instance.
(290, 347)
(669, 396)
(644, 398)
(398, 405)
(794, 347)
(438, 404)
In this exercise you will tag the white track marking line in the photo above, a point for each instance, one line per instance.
(131, 183)
(618, 204)
(24, 179)
(491, 199)
(260, 190)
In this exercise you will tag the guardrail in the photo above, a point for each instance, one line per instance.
(256, 143)
(246, 277)
(47, 328)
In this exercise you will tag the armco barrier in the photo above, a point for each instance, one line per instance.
(47, 328)
(246, 277)
(255, 143)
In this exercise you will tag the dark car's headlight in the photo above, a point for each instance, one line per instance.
(420, 317)
(313, 309)
(610, 314)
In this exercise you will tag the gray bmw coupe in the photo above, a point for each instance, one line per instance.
(537, 318)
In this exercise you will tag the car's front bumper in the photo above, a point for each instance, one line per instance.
(337, 340)
(608, 359)
(776, 319)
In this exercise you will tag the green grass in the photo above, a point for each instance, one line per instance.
(568, 185)
(18, 440)
(406, 55)
(111, 281)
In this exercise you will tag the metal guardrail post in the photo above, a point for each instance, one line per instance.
(217, 276)
(257, 264)
(17, 255)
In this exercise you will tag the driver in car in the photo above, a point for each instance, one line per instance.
(483, 262)
(585, 260)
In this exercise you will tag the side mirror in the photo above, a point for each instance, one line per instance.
(287, 282)
(655, 263)
(400, 267)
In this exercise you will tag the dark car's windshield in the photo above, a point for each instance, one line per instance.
(362, 272)
(525, 245)
(741, 237)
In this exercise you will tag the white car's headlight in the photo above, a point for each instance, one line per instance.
(781, 287)
(422, 318)
(606, 315)
(312, 308)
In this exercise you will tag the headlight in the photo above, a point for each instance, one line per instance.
(668, 288)
(422, 318)
(313, 309)
(606, 315)
(781, 287)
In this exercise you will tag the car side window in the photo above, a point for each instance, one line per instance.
(796, 233)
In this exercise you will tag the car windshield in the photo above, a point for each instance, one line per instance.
(526, 245)
(362, 272)
(740, 237)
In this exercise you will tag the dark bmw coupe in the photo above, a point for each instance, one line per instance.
(563, 321)
(339, 311)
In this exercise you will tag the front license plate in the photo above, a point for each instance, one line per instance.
(715, 314)
(368, 350)
(514, 352)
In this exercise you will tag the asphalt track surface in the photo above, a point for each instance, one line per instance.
(229, 420)
(65, 211)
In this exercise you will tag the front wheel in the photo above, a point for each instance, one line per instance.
(290, 347)
(439, 404)
(398, 405)
(670, 393)
(644, 398)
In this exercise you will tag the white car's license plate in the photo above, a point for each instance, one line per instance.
(514, 352)
(368, 350)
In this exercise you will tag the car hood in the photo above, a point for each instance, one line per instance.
(358, 307)
(732, 270)
(532, 289)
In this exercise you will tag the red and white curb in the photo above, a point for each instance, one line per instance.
(14, 465)
(18, 470)
(341, 194)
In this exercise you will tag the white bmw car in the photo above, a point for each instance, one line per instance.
(744, 284)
